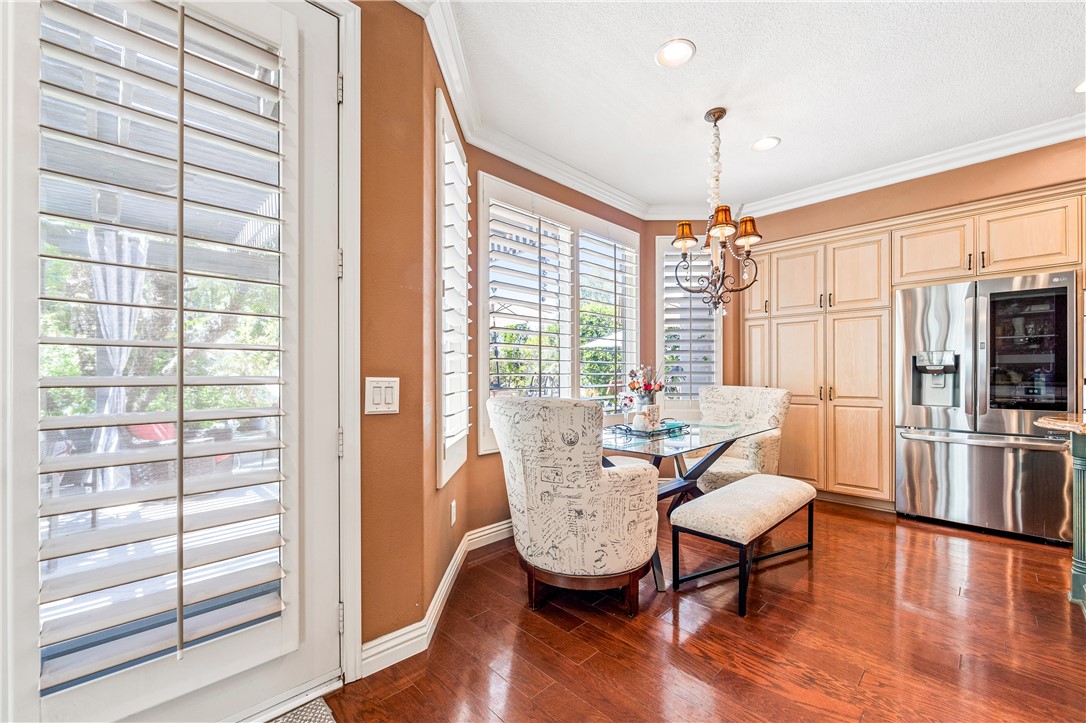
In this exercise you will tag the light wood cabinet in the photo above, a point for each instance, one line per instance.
(858, 408)
(858, 273)
(756, 353)
(942, 250)
(1026, 237)
(756, 298)
(797, 358)
(796, 281)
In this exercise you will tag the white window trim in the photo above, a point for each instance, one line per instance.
(684, 409)
(451, 459)
(493, 188)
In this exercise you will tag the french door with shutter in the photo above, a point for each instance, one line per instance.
(170, 328)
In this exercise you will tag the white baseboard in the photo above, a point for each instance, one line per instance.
(413, 639)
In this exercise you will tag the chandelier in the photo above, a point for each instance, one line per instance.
(721, 235)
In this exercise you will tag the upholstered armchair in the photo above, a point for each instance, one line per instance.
(575, 524)
(754, 408)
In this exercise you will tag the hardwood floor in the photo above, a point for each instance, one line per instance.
(887, 619)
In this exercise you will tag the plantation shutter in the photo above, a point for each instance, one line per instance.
(530, 304)
(454, 322)
(163, 393)
(689, 332)
(607, 301)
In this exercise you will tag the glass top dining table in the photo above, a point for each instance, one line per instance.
(711, 440)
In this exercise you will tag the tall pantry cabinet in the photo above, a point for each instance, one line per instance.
(823, 332)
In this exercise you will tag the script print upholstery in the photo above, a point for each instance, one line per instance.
(571, 515)
(753, 408)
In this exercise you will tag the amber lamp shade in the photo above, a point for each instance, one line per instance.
(748, 232)
(684, 236)
(722, 225)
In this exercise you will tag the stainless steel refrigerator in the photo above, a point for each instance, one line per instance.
(976, 364)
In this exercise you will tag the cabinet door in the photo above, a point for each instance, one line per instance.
(1024, 238)
(798, 366)
(858, 409)
(943, 250)
(756, 353)
(795, 286)
(756, 298)
(858, 273)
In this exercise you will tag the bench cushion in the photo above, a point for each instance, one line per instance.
(744, 510)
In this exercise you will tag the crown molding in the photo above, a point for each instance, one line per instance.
(441, 25)
(419, 7)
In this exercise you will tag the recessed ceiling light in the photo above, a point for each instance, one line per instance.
(1081, 87)
(674, 53)
(764, 144)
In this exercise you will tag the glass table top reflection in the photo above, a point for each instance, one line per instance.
(695, 436)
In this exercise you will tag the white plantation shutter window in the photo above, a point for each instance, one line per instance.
(607, 283)
(454, 253)
(561, 311)
(689, 337)
(530, 268)
(164, 335)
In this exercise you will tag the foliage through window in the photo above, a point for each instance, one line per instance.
(561, 303)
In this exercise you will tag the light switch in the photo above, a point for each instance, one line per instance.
(382, 395)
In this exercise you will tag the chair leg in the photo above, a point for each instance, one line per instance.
(745, 555)
(632, 601)
(810, 525)
(534, 592)
(674, 559)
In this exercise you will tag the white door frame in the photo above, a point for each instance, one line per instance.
(350, 364)
(350, 512)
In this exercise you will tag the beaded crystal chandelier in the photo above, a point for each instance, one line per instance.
(717, 287)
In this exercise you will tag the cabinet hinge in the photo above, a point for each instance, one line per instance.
(341, 618)
(339, 88)
(339, 263)
(340, 441)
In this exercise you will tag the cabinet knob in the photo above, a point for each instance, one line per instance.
(982, 264)
(969, 262)
(831, 394)
(767, 306)
(820, 393)
(831, 299)
(820, 300)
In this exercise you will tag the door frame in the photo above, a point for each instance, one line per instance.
(349, 237)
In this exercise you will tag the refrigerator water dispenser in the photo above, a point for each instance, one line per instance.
(936, 380)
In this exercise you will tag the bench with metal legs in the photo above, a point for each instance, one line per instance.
(707, 520)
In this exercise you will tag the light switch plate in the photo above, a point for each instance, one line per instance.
(382, 395)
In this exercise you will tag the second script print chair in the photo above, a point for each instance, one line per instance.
(576, 524)
(754, 408)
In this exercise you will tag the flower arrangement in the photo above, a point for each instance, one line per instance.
(644, 383)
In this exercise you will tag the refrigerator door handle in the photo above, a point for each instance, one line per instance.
(1036, 445)
(983, 373)
(968, 356)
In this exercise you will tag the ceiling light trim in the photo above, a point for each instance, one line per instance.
(445, 38)
(1008, 144)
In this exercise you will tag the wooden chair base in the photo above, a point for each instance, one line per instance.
(539, 579)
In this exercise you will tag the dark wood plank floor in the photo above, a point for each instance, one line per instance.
(888, 619)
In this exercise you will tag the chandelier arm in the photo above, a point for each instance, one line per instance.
(704, 284)
(727, 285)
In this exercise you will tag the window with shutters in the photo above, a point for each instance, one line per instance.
(689, 338)
(561, 302)
(163, 284)
(454, 269)
(607, 284)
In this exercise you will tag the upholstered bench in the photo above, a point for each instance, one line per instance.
(739, 515)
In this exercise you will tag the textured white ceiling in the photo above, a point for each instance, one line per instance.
(848, 87)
